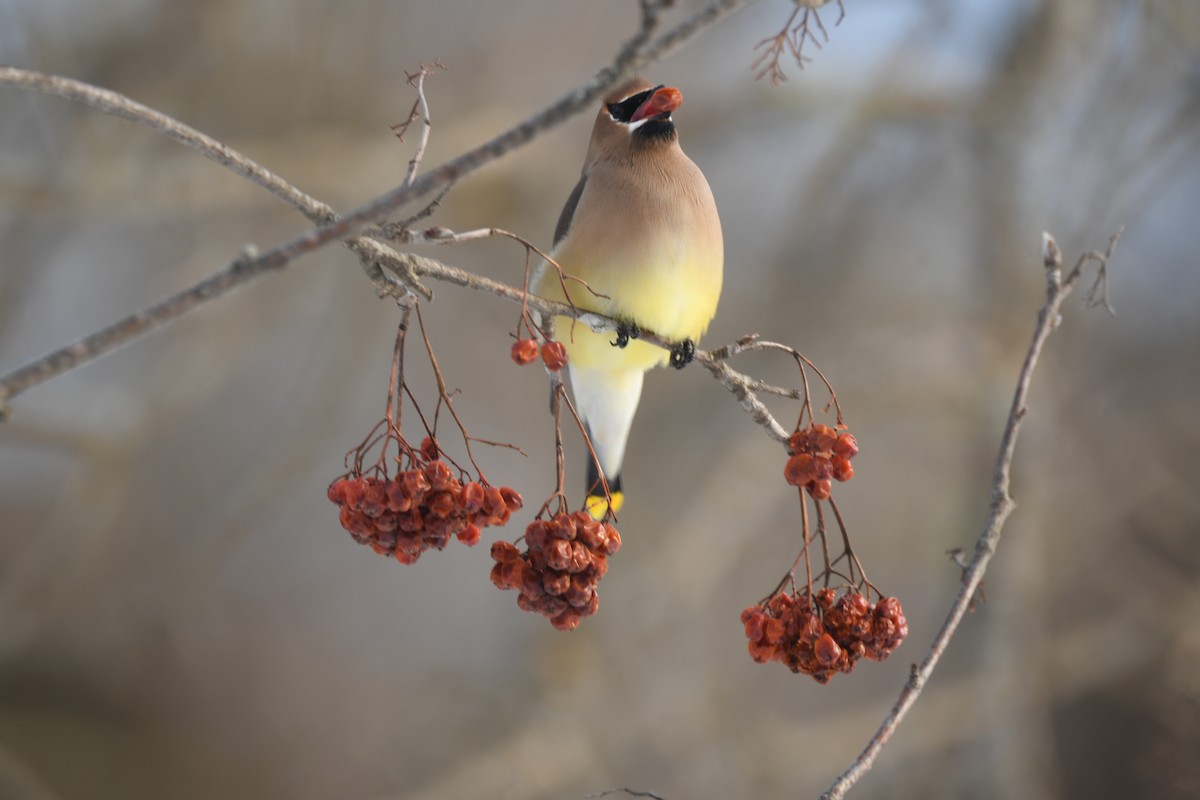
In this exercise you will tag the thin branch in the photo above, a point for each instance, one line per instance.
(1058, 289)
(253, 263)
(792, 39)
(444, 398)
(420, 110)
(739, 386)
(371, 253)
(118, 105)
(743, 387)
(625, 791)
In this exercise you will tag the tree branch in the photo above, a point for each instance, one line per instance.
(638, 51)
(1002, 503)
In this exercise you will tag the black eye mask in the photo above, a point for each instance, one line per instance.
(624, 110)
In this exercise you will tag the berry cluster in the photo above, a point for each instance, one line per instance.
(820, 456)
(824, 637)
(419, 509)
(554, 354)
(564, 558)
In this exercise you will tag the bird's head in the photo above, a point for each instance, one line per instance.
(637, 114)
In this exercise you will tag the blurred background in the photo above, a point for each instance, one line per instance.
(181, 615)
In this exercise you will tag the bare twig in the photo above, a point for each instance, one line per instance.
(371, 253)
(638, 51)
(792, 40)
(420, 110)
(558, 393)
(118, 105)
(625, 791)
(1058, 288)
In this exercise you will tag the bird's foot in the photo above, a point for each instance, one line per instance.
(682, 353)
(625, 332)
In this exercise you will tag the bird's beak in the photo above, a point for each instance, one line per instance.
(664, 100)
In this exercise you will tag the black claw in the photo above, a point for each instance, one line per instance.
(625, 332)
(682, 353)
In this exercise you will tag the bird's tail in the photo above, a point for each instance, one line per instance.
(606, 399)
(597, 504)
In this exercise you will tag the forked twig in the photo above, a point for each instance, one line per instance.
(1058, 288)
(791, 39)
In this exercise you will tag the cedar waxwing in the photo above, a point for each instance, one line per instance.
(641, 228)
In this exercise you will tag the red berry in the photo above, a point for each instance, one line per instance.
(438, 475)
(568, 620)
(355, 522)
(337, 491)
(593, 605)
(821, 489)
(512, 498)
(760, 651)
(404, 557)
(493, 510)
(374, 500)
(823, 438)
(855, 604)
(524, 351)
(589, 531)
(554, 354)
(414, 484)
(470, 535)
(563, 526)
(536, 534)
(773, 631)
(827, 651)
(800, 469)
(843, 470)
(409, 542)
(440, 504)
(558, 554)
(580, 559)
(580, 593)
(753, 619)
(613, 543)
(556, 583)
(551, 606)
(846, 446)
(471, 498)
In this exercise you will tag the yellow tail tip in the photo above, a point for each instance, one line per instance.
(598, 505)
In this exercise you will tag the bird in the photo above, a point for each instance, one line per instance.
(641, 233)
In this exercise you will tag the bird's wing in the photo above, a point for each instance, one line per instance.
(568, 212)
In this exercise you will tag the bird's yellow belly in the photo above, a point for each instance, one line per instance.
(675, 298)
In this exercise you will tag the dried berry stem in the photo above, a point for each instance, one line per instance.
(558, 394)
(587, 441)
(1002, 504)
(444, 398)
(394, 401)
(825, 544)
(849, 553)
(808, 581)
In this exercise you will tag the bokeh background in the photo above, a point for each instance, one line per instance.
(181, 616)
